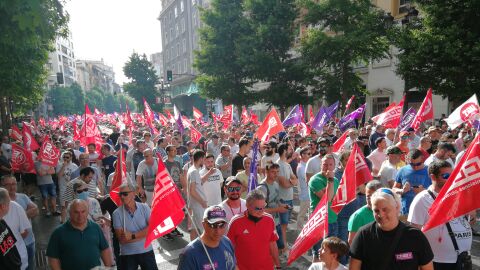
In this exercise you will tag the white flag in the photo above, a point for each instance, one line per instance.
(468, 111)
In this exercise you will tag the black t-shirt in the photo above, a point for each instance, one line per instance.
(9, 256)
(107, 163)
(237, 164)
(371, 244)
(114, 137)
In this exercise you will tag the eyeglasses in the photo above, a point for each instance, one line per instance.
(147, 156)
(445, 175)
(259, 208)
(232, 189)
(404, 137)
(124, 193)
(81, 190)
(416, 164)
(66, 157)
(218, 225)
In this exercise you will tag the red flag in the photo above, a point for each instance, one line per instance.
(245, 117)
(227, 117)
(338, 145)
(163, 120)
(128, 116)
(49, 154)
(16, 134)
(425, 112)
(76, 134)
(314, 230)
(147, 112)
(254, 118)
(29, 141)
(89, 132)
(390, 118)
(459, 194)
(22, 160)
(195, 135)
(167, 206)
(270, 126)
(356, 173)
(310, 115)
(349, 103)
(119, 178)
(197, 115)
(41, 121)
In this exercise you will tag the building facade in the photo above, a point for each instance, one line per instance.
(61, 64)
(95, 73)
(157, 61)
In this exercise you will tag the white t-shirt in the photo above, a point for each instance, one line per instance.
(193, 176)
(387, 172)
(7, 150)
(67, 172)
(266, 160)
(432, 158)
(233, 150)
(231, 212)
(314, 165)
(18, 222)
(285, 171)
(440, 241)
(377, 158)
(212, 186)
(321, 266)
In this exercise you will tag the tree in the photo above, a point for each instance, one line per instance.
(346, 33)
(28, 29)
(223, 57)
(143, 81)
(273, 35)
(441, 49)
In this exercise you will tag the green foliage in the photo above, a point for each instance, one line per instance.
(346, 32)
(27, 28)
(442, 48)
(143, 80)
(225, 53)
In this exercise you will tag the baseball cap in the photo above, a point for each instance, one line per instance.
(432, 128)
(232, 179)
(394, 150)
(214, 214)
(404, 132)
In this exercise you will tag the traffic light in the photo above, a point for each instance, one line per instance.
(169, 76)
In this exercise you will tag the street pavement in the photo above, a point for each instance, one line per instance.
(167, 252)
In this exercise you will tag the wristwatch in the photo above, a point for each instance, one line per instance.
(133, 236)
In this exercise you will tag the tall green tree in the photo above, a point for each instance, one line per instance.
(441, 49)
(346, 33)
(27, 29)
(273, 36)
(143, 80)
(223, 57)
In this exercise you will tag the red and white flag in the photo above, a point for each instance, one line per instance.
(195, 135)
(459, 194)
(167, 206)
(49, 154)
(170, 117)
(270, 126)
(356, 173)
(310, 115)
(467, 112)
(197, 115)
(186, 122)
(16, 134)
(128, 117)
(425, 112)
(347, 106)
(22, 160)
(338, 145)
(245, 117)
(315, 229)
(119, 178)
(390, 117)
(29, 141)
(227, 116)
(254, 118)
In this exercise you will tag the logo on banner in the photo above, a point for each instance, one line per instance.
(469, 175)
(166, 226)
(428, 107)
(468, 111)
(19, 157)
(314, 222)
(49, 152)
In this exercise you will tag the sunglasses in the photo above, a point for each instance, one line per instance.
(218, 225)
(259, 208)
(308, 154)
(445, 175)
(124, 193)
(405, 137)
(79, 191)
(416, 164)
(232, 189)
(66, 157)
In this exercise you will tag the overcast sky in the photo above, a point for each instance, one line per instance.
(113, 29)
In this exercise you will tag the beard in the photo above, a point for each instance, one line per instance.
(234, 197)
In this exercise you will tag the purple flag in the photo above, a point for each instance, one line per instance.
(178, 118)
(323, 116)
(407, 119)
(252, 179)
(476, 124)
(294, 117)
(349, 120)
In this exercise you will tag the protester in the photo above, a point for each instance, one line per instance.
(333, 248)
(234, 204)
(212, 181)
(9, 255)
(244, 176)
(303, 195)
(97, 180)
(378, 156)
(389, 168)
(19, 224)
(47, 188)
(145, 175)
(237, 161)
(196, 198)
(64, 171)
(213, 147)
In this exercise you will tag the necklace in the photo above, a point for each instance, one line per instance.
(231, 209)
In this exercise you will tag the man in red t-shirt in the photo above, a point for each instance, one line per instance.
(254, 234)
(403, 143)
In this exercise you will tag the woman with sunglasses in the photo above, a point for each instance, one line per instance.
(387, 243)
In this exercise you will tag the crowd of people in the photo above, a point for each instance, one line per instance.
(231, 228)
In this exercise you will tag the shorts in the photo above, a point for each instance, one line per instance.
(197, 217)
(47, 190)
(285, 217)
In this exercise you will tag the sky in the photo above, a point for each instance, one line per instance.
(113, 30)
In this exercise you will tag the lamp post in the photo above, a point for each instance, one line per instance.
(162, 88)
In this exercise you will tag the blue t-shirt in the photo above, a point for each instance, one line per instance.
(133, 224)
(107, 163)
(24, 201)
(194, 257)
(415, 178)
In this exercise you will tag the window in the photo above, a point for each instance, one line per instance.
(59, 58)
(175, 10)
(404, 6)
(170, 16)
(194, 2)
(166, 38)
(185, 65)
(178, 49)
(182, 8)
(194, 18)
(167, 55)
(177, 30)
(171, 33)
(184, 45)
(379, 104)
(172, 53)
(182, 24)
(179, 67)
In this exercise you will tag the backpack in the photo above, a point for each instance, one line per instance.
(267, 198)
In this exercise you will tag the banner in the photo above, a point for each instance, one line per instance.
(314, 230)
(270, 126)
(252, 178)
(390, 117)
(119, 178)
(459, 194)
(167, 206)
(49, 154)
(323, 116)
(16, 135)
(178, 118)
(245, 117)
(356, 173)
(407, 119)
(294, 117)
(349, 120)
(197, 115)
(338, 145)
(22, 160)
(469, 111)
(195, 135)
(29, 141)
(425, 112)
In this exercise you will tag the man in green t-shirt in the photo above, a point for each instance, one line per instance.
(364, 215)
(319, 184)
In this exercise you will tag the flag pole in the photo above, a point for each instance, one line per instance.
(200, 239)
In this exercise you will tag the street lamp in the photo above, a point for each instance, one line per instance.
(162, 88)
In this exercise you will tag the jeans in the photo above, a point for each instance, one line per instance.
(332, 231)
(280, 244)
(146, 261)
(31, 256)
